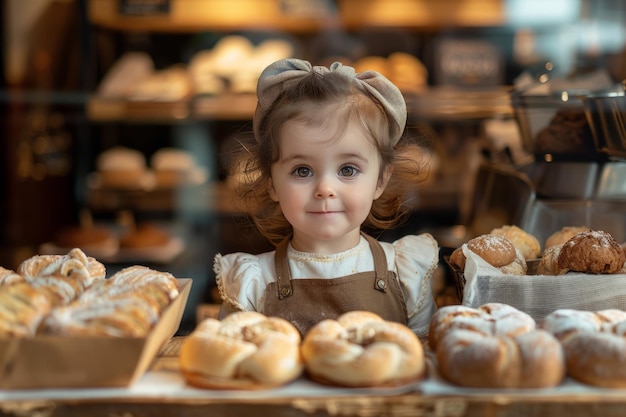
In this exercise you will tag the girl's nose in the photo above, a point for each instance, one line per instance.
(325, 189)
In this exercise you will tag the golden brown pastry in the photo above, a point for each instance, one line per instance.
(118, 317)
(594, 344)
(22, 308)
(8, 277)
(594, 252)
(138, 274)
(360, 349)
(246, 350)
(549, 263)
(521, 239)
(495, 346)
(561, 236)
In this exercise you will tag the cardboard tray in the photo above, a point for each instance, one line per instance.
(87, 362)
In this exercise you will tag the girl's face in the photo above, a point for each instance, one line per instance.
(325, 187)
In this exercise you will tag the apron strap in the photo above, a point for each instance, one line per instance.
(380, 264)
(283, 274)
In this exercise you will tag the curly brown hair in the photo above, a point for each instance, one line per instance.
(315, 101)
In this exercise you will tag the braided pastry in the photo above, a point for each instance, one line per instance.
(120, 317)
(74, 264)
(594, 344)
(360, 349)
(22, 308)
(494, 346)
(137, 274)
(8, 277)
(246, 350)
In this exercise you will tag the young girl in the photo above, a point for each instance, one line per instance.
(328, 161)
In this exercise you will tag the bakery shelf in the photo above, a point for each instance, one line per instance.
(220, 107)
(190, 16)
(210, 197)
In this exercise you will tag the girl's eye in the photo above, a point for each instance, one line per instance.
(302, 172)
(348, 171)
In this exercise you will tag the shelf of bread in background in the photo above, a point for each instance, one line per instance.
(170, 180)
(124, 241)
(296, 16)
(220, 82)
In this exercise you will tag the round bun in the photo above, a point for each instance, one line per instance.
(497, 250)
(561, 236)
(246, 350)
(594, 344)
(494, 346)
(121, 167)
(522, 240)
(594, 252)
(360, 349)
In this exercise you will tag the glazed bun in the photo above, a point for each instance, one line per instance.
(594, 252)
(360, 349)
(246, 350)
(561, 236)
(522, 240)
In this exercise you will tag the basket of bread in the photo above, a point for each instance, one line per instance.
(63, 323)
(579, 268)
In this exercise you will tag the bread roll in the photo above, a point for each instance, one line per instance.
(497, 250)
(494, 346)
(594, 344)
(561, 236)
(246, 350)
(594, 252)
(521, 239)
(549, 263)
(360, 349)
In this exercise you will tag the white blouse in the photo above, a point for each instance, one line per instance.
(242, 277)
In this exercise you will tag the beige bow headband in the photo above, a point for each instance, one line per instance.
(287, 72)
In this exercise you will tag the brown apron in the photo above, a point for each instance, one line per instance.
(307, 301)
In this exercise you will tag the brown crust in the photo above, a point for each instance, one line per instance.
(594, 252)
(594, 344)
(495, 249)
(561, 236)
(206, 382)
(526, 243)
(494, 346)
(360, 349)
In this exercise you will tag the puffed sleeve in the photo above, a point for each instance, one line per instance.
(417, 258)
(239, 280)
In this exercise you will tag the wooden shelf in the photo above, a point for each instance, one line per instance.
(225, 15)
(215, 15)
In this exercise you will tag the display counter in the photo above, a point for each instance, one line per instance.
(163, 392)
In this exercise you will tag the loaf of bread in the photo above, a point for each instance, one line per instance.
(246, 350)
(594, 344)
(494, 346)
(360, 349)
